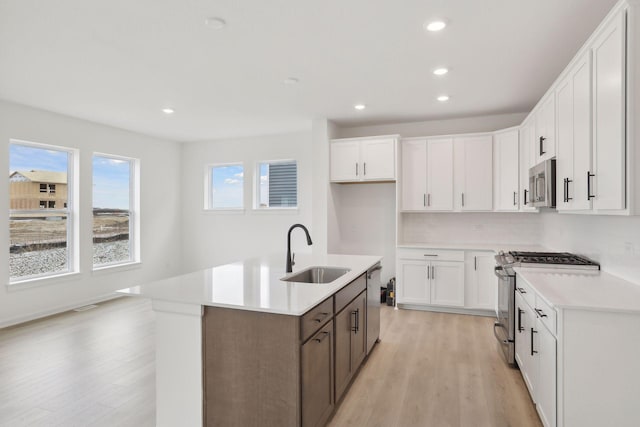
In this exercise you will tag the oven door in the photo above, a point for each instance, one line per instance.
(504, 327)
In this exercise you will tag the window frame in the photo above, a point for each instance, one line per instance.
(208, 188)
(134, 211)
(71, 213)
(257, 187)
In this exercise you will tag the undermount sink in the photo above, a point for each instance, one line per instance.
(317, 275)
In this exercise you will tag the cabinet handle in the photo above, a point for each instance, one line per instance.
(433, 272)
(321, 317)
(428, 272)
(542, 139)
(540, 312)
(522, 290)
(568, 198)
(525, 196)
(354, 322)
(430, 254)
(589, 176)
(564, 190)
(515, 202)
(364, 166)
(324, 334)
(357, 320)
(520, 311)
(429, 199)
(532, 350)
(424, 200)
(475, 263)
(462, 199)
(356, 169)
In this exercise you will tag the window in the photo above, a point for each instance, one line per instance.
(41, 236)
(52, 188)
(277, 184)
(225, 184)
(114, 210)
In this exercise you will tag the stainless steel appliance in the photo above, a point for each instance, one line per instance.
(373, 306)
(504, 327)
(542, 184)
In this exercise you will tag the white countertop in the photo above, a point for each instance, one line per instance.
(255, 284)
(582, 289)
(485, 246)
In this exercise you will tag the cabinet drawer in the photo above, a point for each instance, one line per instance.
(527, 293)
(546, 313)
(427, 254)
(345, 295)
(311, 321)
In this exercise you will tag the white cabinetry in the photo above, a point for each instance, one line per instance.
(506, 170)
(473, 173)
(430, 277)
(427, 174)
(609, 175)
(363, 159)
(545, 123)
(480, 280)
(527, 159)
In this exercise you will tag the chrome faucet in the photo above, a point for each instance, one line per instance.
(290, 260)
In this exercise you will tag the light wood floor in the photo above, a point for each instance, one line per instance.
(96, 368)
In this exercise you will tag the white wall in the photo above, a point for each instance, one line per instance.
(160, 212)
(468, 227)
(488, 123)
(613, 241)
(213, 238)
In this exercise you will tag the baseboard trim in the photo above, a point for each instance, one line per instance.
(452, 310)
(5, 323)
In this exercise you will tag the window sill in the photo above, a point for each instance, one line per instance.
(224, 211)
(36, 282)
(113, 268)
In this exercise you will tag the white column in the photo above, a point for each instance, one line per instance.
(178, 364)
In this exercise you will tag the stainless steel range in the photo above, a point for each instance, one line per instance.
(504, 327)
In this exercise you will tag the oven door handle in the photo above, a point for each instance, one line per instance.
(499, 325)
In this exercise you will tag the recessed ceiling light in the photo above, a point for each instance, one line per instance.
(215, 23)
(435, 25)
(359, 106)
(440, 71)
(443, 98)
(291, 81)
(168, 110)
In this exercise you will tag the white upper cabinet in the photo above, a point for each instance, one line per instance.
(507, 192)
(573, 160)
(427, 174)
(473, 166)
(363, 159)
(607, 185)
(545, 122)
(527, 158)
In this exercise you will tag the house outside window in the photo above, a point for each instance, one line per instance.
(42, 236)
(277, 184)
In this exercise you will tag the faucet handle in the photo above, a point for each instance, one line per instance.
(293, 259)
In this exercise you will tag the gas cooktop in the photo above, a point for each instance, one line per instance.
(548, 259)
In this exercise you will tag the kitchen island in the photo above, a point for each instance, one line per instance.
(236, 345)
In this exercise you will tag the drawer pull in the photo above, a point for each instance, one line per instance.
(522, 291)
(430, 254)
(520, 328)
(321, 317)
(533, 331)
(540, 312)
(324, 335)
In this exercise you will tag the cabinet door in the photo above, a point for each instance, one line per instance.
(529, 368)
(481, 283)
(545, 117)
(414, 175)
(440, 174)
(522, 345)
(506, 155)
(344, 161)
(475, 173)
(343, 321)
(379, 159)
(317, 377)
(447, 283)
(413, 283)
(546, 385)
(582, 125)
(358, 331)
(564, 159)
(527, 134)
(608, 184)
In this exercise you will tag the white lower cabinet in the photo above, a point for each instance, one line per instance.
(447, 283)
(545, 352)
(415, 287)
(480, 280)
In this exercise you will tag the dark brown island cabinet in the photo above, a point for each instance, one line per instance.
(264, 369)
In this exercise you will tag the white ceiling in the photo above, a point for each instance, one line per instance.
(119, 62)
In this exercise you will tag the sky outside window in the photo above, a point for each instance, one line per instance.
(23, 157)
(111, 183)
(227, 183)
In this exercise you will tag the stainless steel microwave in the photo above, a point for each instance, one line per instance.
(542, 184)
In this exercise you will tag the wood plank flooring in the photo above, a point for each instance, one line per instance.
(96, 368)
